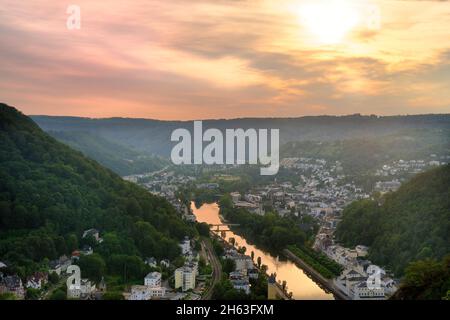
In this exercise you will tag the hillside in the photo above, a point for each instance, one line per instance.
(120, 159)
(50, 193)
(153, 136)
(410, 224)
(362, 154)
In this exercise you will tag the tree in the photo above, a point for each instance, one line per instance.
(92, 266)
(113, 295)
(259, 262)
(425, 279)
(32, 294)
(228, 265)
(53, 278)
(203, 229)
(58, 294)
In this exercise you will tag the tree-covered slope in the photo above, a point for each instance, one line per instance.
(119, 158)
(50, 193)
(410, 224)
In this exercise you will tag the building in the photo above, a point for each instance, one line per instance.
(153, 279)
(241, 284)
(37, 280)
(185, 278)
(243, 263)
(59, 265)
(235, 196)
(82, 291)
(12, 284)
(361, 250)
(151, 261)
(150, 290)
(93, 233)
(140, 292)
(362, 292)
(185, 246)
(165, 263)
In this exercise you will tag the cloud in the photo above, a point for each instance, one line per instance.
(220, 59)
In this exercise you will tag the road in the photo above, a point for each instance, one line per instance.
(216, 266)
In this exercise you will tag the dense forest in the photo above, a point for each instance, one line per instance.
(136, 132)
(50, 193)
(426, 279)
(410, 224)
(119, 158)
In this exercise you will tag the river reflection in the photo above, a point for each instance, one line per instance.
(298, 282)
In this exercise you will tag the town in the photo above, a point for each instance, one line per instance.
(320, 190)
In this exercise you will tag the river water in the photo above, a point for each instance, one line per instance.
(298, 282)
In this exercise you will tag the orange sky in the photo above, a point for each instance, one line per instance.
(197, 59)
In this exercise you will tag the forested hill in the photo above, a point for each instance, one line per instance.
(119, 158)
(50, 193)
(153, 136)
(411, 224)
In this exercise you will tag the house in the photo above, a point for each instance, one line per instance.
(102, 285)
(185, 278)
(59, 265)
(243, 263)
(37, 280)
(82, 291)
(86, 250)
(151, 262)
(361, 291)
(12, 284)
(165, 263)
(93, 233)
(347, 281)
(185, 246)
(140, 292)
(241, 284)
(361, 250)
(235, 196)
(153, 279)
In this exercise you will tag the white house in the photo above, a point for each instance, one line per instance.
(362, 292)
(151, 262)
(241, 284)
(139, 292)
(165, 263)
(153, 279)
(84, 290)
(243, 263)
(37, 280)
(94, 233)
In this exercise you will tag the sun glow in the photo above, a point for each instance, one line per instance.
(328, 21)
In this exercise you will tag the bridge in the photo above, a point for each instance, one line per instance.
(217, 227)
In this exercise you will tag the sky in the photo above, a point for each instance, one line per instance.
(198, 59)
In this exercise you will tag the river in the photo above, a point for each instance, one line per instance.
(298, 282)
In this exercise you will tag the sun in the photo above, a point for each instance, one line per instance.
(328, 21)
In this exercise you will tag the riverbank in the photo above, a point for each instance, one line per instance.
(299, 283)
(326, 283)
